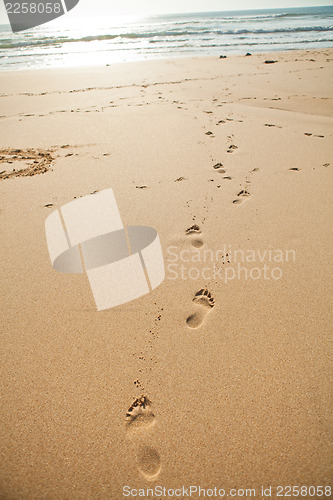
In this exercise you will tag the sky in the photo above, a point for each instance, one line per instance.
(102, 8)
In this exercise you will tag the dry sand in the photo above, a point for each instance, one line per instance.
(235, 383)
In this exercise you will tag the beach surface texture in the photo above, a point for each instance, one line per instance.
(219, 377)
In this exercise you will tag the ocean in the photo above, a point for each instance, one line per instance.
(165, 36)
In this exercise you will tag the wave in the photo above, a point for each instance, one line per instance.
(303, 14)
(164, 49)
(14, 44)
(268, 31)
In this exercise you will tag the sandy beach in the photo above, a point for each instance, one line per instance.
(220, 376)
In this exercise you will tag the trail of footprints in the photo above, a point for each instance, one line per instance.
(244, 193)
(140, 417)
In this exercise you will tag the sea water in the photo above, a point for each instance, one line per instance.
(199, 34)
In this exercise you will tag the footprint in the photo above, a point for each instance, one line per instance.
(194, 231)
(140, 418)
(242, 195)
(232, 148)
(149, 462)
(140, 415)
(205, 301)
(220, 170)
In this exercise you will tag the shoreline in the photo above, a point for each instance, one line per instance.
(123, 70)
(184, 58)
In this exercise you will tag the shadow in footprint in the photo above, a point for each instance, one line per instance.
(149, 462)
(140, 415)
(241, 196)
(193, 232)
(205, 301)
(232, 148)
